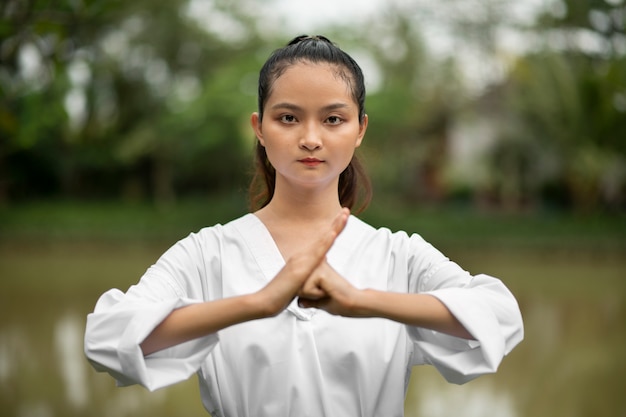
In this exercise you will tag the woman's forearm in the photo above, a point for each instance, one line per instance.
(198, 320)
(420, 310)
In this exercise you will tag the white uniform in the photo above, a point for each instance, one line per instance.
(303, 362)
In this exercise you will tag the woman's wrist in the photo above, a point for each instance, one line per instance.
(363, 303)
(262, 304)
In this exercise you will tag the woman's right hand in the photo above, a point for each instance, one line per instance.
(287, 283)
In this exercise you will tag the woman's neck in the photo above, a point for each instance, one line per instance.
(302, 206)
(295, 220)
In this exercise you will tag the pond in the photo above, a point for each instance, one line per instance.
(572, 362)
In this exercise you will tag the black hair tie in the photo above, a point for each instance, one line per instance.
(303, 38)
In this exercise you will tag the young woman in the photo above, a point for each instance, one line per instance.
(299, 308)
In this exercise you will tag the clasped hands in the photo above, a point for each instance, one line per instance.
(305, 275)
(308, 276)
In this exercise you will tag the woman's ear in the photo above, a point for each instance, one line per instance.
(255, 122)
(362, 130)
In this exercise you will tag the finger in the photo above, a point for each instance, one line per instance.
(322, 247)
(313, 286)
(313, 293)
(311, 290)
(340, 221)
(336, 227)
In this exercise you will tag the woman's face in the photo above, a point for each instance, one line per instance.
(310, 125)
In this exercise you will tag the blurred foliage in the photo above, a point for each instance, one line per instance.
(107, 98)
(569, 105)
(104, 99)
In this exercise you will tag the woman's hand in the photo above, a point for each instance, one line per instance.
(288, 282)
(327, 290)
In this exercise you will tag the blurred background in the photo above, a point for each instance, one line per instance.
(497, 131)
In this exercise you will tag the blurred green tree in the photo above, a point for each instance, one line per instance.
(37, 43)
(570, 98)
(102, 98)
(109, 98)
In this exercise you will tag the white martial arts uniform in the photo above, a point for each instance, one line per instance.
(303, 362)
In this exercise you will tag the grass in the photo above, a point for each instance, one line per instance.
(454, 226)
(449, 226)
(113, 220)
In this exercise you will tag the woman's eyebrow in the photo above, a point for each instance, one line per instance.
(295, 107)
(285, 105)
(336, 106)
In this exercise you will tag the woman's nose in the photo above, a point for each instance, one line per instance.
(311, 138)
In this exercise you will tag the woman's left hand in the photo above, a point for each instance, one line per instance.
(327, 290)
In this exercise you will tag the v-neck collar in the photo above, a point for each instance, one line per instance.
(262, 245)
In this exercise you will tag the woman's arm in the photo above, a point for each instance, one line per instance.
(341, 298)
(197, 320)
(420, 310)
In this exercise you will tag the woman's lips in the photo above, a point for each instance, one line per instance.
(311, 162)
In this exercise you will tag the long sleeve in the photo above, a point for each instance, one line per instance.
(482, 303)
(121, 321)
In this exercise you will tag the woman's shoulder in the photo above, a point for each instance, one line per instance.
(217, 232)
(361, 231)
(360, 226)
(403, 243)
(229, 226)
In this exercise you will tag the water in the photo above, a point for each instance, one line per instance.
(572, 362)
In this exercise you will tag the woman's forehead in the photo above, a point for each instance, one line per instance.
(315, 78)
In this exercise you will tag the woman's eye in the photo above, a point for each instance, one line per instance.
(334, 120)
(287, 118)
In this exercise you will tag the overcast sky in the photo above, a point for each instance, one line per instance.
(295, 17)
(309, 16)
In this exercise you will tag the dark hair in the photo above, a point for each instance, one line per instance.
(355, 190)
